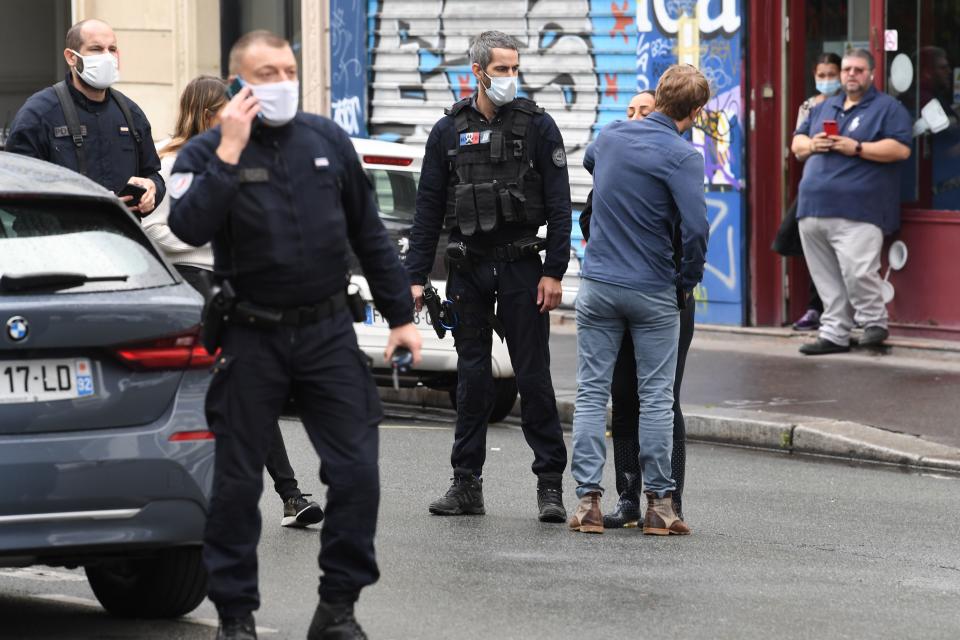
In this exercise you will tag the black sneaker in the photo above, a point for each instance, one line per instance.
(823, 347)
(464, 497)
(300, 512)
(874, 336)
(335, 622)
(550, 498)
(626, 515)
(237, 628)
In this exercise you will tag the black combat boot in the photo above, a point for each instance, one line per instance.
(464, 497)
(242, 628)
(335, 622)
(626, 460)
(550, 498)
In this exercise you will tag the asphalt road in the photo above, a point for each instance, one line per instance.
(783, 547)
(890, 392)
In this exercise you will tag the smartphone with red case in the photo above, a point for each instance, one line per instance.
(830, 128)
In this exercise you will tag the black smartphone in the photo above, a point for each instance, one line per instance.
(234, 87)
(131, 189)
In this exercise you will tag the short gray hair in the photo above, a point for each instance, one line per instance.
(863, 54)
(482, 45)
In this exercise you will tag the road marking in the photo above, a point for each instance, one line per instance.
(59, 597)
(413, 427)
(43, 575)
(93, 604)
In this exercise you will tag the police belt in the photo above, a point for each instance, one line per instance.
(248, 314)
(516, 250)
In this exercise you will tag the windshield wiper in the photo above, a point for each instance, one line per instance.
(51, 280)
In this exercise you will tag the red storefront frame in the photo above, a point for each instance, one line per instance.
(926, 302)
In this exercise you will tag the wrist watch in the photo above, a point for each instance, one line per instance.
(859, 147)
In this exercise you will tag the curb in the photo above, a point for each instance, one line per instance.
(787, 433)
(926, 348)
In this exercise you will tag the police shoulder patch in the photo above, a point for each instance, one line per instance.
(559, 157)
(179, 184)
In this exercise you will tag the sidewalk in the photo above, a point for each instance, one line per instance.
(750, 387)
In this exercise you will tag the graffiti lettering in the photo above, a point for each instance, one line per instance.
(666, 17)
(347, 113)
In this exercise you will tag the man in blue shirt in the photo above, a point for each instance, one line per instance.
(647, 182)
(849, 198)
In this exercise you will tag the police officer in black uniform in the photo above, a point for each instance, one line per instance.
(282, 195)
(85, 125)
(493, 172)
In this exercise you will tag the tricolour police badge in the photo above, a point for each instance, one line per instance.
(476, 137)
(559, 157)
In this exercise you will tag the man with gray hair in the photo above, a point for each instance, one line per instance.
(494, 171)
(852, 144)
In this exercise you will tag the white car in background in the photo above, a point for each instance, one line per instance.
(394, 170)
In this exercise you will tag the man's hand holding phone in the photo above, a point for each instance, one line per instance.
(235, 122)
(820, 143)
(139, 194)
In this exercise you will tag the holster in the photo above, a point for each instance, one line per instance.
(435, 310)
(215, 311)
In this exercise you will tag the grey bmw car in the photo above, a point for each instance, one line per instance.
(105, 457)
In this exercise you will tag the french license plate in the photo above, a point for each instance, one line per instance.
(375, 319)
(45, 380)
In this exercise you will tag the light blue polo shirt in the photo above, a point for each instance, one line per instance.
(839, 186)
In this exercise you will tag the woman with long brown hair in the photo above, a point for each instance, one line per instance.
(200, 105)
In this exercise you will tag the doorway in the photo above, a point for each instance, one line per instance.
(31, 53)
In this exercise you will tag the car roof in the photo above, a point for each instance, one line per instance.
(21, 175)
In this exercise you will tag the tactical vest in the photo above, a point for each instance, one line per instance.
(492, 179)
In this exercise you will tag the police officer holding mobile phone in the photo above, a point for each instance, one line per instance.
(83, 124)
(281, 195)
(494, 171)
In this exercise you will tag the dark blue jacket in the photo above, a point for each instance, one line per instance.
(839, 186)
(283, 220)
(647, 182)
(543, 140)
(39, 130)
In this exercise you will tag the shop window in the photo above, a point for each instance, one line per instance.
(923, 72)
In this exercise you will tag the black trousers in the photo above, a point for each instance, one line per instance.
(626, 403)
(278, 464)
(513, 285)
(258, 370)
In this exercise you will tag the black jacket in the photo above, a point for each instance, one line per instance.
(282, 221)
(39, 130)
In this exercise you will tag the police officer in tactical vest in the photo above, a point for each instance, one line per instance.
(282, 196)
(494, 171)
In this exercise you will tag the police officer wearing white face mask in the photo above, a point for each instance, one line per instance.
(281, 195)
(494, 171)
(85, 125)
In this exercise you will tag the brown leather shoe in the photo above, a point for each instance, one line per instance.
(661, 519)
(587, 518)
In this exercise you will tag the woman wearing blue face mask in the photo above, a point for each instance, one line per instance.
(826, 75)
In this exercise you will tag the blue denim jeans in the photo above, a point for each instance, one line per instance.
(604, 312)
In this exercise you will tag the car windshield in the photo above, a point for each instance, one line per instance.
(89, 238)
(396, 193)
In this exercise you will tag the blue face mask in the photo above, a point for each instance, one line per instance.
(828, 87)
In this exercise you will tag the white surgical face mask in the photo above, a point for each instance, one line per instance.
(502, 89)
(99, 71)
(278, 101)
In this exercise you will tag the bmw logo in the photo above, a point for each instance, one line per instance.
(17, 328)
